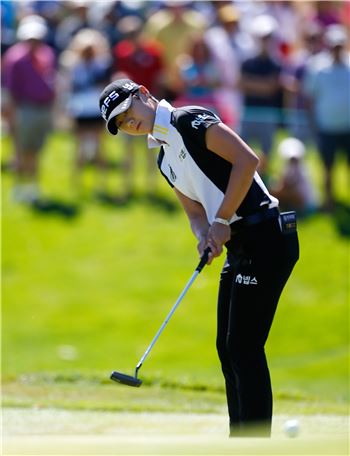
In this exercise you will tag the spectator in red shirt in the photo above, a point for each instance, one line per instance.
(140, 59)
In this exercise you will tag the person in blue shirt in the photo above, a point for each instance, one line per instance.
(327, 86)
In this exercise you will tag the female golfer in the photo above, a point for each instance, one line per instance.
(213, 173)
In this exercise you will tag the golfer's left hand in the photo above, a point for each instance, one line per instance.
(218, 235)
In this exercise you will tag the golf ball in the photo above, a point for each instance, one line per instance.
(291, 428)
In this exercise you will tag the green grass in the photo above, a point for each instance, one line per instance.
(103, 282)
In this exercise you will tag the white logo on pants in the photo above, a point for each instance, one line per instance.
(246, 279)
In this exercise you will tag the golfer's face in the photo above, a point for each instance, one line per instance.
(138, 119)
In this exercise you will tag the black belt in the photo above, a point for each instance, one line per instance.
(254, 219)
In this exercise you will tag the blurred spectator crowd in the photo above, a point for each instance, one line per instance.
(261, 65)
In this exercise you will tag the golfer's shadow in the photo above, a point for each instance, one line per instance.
(51, 206)
(341, 216)
(159, 202)
(154, 200)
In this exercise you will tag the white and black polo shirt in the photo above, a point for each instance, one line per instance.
(189, 166)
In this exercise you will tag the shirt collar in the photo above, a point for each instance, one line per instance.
(161, 126)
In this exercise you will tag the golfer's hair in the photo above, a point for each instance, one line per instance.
(154, 98)
(151, 96)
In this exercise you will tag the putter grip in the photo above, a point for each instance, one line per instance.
(204, 259)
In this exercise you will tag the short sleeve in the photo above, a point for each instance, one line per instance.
(193, 122)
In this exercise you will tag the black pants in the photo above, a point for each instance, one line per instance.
(259, 261)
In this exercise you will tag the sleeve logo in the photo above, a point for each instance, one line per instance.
(200, 119)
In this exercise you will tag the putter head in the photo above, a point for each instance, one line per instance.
(125, 379)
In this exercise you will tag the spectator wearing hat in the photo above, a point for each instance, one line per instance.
(294, 189)
(230, 45)
(327, 86)
(298, 122)
(262, 90)
(28, 77)
(173, 26)
(53, 11)
(86, 65)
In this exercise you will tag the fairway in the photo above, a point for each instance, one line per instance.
(49, 432)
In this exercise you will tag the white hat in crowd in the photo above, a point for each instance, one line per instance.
(263, 25)
(32, 27)
(291, 148)
(335, 35)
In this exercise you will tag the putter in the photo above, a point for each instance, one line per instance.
(133, 380)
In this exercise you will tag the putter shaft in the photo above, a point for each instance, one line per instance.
(134, 381)
(160, 330)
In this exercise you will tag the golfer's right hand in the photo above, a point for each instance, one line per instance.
(203, 244)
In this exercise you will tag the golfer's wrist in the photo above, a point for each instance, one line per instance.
(222, 221)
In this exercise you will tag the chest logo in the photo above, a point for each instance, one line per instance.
(182, 155)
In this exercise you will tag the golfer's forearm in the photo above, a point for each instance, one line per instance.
(196, 215)
(199, 227)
